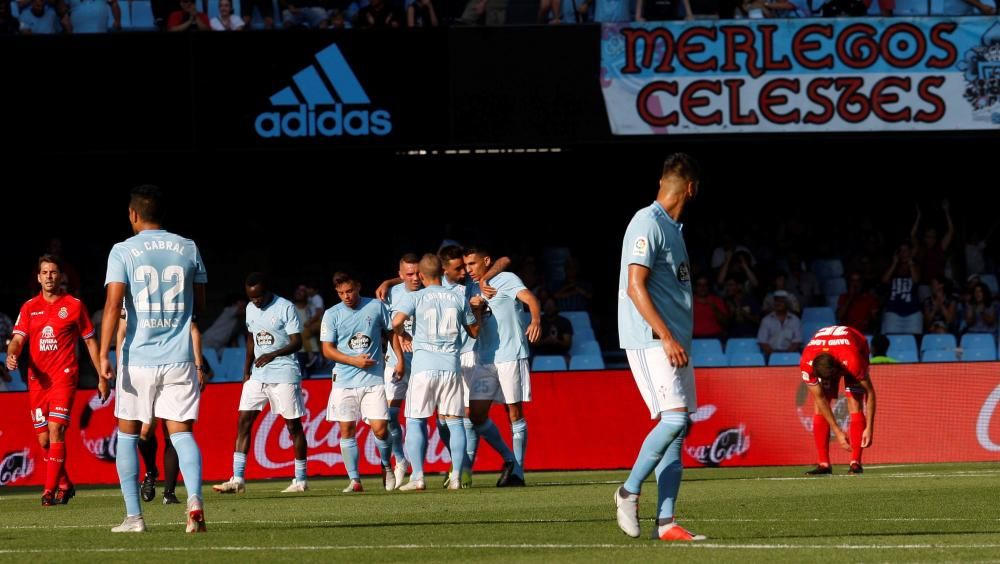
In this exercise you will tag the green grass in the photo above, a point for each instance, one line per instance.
(926, 513)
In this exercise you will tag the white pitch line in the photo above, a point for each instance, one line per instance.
(254, 522)
(526, 521)
(552, 546)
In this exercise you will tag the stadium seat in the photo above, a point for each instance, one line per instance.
(911, 8)
(580, 320)
(708, 360)
(825, 269)
(584, 346)
(784, 359)
(979, 355)
(706, 346)
(16, 384)
(231, 369)
(991, 282)
(940, 356)
(746, 359)
(211, 357)
(548, 363)
(834, 286)
(823, 315)
(809, 329)
(901, 343)
(832, 301)
(979, 341)
(141, 15)
(586, 362)
(742, 345)
(938, 342)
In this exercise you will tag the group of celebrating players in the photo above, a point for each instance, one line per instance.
(444, 337)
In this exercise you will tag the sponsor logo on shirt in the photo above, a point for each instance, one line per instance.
(264, 339)
(48, 342)
(359, 342)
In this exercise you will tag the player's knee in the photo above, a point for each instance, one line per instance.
(294, 426)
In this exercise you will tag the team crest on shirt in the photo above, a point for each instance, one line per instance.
(641, 247)
(684, 272)
(359, 342)
(264, 339)
(63, 313)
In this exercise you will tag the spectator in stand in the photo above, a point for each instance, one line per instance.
(527, 271)
(378, 13)
(227, 329)
(880, 350)
(744, 260)
(188, 18)
(780, 283)
(91, 16)
(744, 310)
(309, 354)
(802, 282)
(940, 310)
(338, 20)
(489, 12)
(931, 255)
(557, 331)
(975, 248)
(264, 7)
(40, 19)
(981, 311)
(6, 330)
(575, 294)
(226, 20)
(308, 14)
(780, 330)
(902, 308)
(858, 307)
(421, 13)
(711, 316)
(9, 25)
(663, 10)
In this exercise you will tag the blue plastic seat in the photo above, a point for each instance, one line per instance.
(784, 359)
(586, 362)
(548, 363)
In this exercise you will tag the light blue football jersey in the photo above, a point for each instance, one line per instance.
(159, 270)
(501, 336)
(437, 316)
(270, 328)
(463, 290)
(395, 294)
(654, 240)
(355, 332)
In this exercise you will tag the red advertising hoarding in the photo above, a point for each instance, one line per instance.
(578, 420)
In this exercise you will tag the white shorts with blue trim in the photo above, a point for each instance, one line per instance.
(663, 387)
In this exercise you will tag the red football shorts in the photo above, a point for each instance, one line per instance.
(51, 404)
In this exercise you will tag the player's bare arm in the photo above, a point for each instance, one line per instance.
(638, 277)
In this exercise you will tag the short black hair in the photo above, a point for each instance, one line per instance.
(825, 366)
(147, 201)
(342, 277)
(682, 165)
(256, 279)
(479, 250)
(410, 258)
(50, 258)
(450, 252)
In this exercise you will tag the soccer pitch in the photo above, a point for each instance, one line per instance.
(918, 513)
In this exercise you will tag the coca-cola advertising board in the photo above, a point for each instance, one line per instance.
(946, 412)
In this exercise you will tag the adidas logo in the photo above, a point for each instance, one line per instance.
(330, 83)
